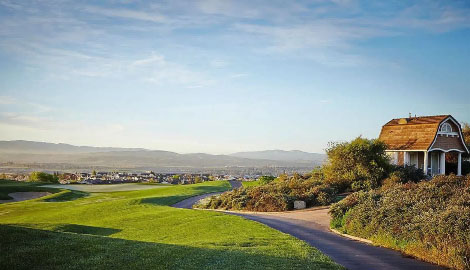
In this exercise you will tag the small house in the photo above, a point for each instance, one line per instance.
(424, 142)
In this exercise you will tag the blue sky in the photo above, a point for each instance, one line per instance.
(226, 76)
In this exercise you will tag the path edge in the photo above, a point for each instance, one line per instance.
(367, 241)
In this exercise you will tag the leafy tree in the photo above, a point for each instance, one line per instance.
(466, 136)
(359, 164)
(43, 177)
(93, 173)
(266, 179)
(197, 180)
(175, 178)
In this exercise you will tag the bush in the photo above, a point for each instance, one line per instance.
(277, 195)
(265, 179)
(429, 219)
(43, 177)
(403, 175)
(357, 165)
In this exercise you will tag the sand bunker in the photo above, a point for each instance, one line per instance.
(23, 196)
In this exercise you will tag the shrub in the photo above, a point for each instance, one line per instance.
(265, 179)
(356, 165)
(429, 219)
(43, 177)
(278, 195)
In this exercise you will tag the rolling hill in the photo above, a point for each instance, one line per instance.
(47, 153)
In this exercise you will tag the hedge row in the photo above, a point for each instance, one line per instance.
(429, 219)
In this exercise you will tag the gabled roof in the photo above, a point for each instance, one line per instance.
(414, 133)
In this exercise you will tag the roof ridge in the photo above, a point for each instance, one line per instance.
(424, 116)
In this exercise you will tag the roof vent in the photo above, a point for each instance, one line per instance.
(403, 121)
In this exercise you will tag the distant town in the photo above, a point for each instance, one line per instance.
(99, 177)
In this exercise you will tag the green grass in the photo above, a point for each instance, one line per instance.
(251, 183)
(138, 230)
(8, 186)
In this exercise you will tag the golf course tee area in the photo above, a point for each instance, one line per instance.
(140, 230)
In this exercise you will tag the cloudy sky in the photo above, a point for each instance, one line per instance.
(225, 76)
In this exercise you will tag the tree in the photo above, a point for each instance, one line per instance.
(359, 164)
(197, 180)
(175, 178)
(93, 173)
(466, 136)
(43, 177)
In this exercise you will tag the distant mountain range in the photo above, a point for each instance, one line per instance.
(282, 155)
(43, 152)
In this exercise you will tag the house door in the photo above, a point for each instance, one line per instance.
(435, 162)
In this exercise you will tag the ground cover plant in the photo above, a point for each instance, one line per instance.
(428, 219)
(139, 230)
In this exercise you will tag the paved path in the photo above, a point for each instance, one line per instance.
(312, 226)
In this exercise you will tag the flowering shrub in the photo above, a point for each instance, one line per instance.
(429, 219)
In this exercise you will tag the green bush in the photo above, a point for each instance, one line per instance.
(265, 179)
(43, 177)
(429, 219)
(277, 195)
(357, 165)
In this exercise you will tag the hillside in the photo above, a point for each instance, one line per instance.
(41, 152)
(294, 155)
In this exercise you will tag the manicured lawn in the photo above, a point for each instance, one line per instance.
(251, 183)
(7, 186)
(138, 230)
(106, 187)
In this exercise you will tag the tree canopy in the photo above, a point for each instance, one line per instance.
(43, 177)
(359, 164)
(466, 135)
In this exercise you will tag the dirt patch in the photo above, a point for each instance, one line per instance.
(23, 196)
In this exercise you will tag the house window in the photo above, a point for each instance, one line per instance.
(446, 128)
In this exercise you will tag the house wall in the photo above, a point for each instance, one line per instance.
(421, 160)
(401, 158)
(448, 143)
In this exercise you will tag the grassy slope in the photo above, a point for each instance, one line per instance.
(137, 229)
(251, 183)
(7, 186)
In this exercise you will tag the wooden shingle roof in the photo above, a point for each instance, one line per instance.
(414, 133)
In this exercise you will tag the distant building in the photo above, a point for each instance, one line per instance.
(424, 142)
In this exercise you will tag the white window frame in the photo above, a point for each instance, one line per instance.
(446, 128)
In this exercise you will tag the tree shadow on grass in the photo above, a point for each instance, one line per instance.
(56, 250)
(82, 229)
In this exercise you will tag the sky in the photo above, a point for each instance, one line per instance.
(218, 76)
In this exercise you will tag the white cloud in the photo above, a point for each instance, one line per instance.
(128, 14)
(156, 69)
